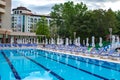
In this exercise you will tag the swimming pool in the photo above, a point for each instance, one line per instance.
(33, 64)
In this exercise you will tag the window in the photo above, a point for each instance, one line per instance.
(17, 12)
(35, 20)
(12, 25)
(31, 20)
(12, 18)
(20, 12)
(14, 12)
(38, 19)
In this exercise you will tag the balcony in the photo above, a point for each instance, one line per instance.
(2, 10)
(2, 3)
(0, 22)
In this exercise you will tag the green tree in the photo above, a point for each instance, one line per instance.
(97, 23)
(42, 28)
(65, 16)
(111, 20)
(56, 22)
(69, 18)
(118, 22)
(100, 21)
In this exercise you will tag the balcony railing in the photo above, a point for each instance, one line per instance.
(2, 3)
(2, 10)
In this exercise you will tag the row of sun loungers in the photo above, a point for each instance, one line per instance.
(103, 52)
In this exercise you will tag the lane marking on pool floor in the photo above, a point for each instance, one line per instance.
(12, 67)
(48, 70)
(88, 62)
(103, 78)
(92, 63)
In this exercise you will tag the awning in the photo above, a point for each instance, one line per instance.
(5, 31)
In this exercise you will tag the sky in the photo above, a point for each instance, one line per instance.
(44, 6)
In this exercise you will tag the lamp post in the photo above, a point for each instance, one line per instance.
(74, 35)
(74, 40)
(110, 30)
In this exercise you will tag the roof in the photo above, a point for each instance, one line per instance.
(22, 34)
(31, 14)
(37, 15)
(21, 8)
(41, 15)
(9, 32)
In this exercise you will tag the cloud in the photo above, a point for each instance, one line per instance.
(101, 1)
(41, 9)
(93, 6)
(44, 6)
(37, 6)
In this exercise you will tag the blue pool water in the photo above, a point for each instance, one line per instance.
(33, 64)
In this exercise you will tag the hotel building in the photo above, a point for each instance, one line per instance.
(22, 27)
(6, 33)
(23, 20)
(5, 20)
